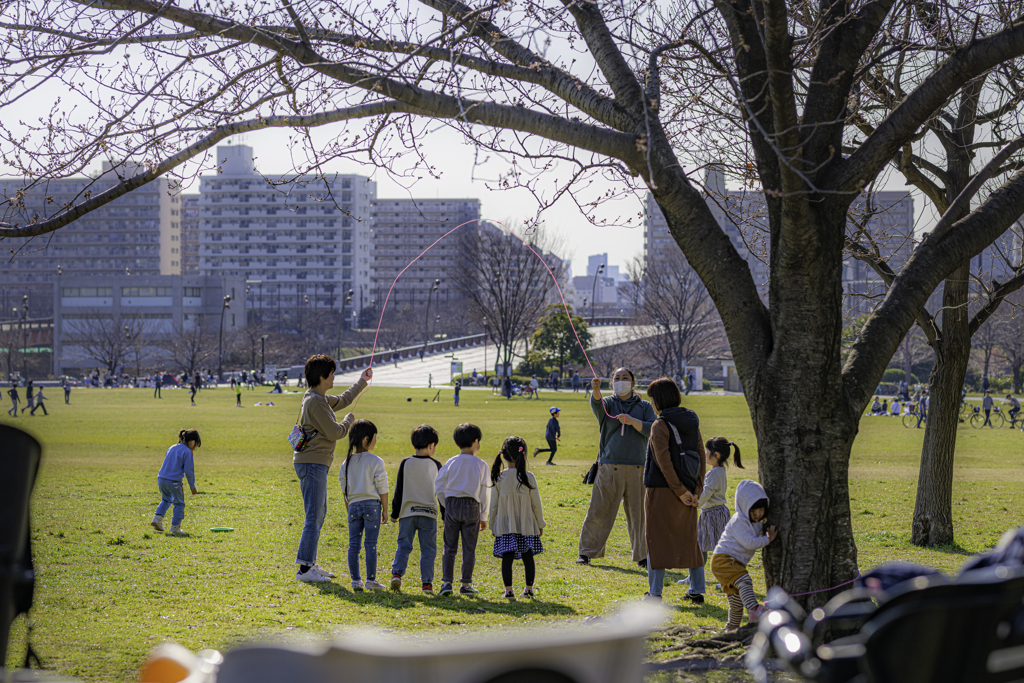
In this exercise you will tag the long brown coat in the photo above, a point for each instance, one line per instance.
(671, 525)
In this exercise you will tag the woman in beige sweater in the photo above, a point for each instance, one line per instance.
(313, 462)
(517, 518)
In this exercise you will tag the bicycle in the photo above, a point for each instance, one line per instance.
(910, 419)
(995, 420)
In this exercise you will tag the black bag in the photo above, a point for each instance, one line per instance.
(686, 463)
(590, 476)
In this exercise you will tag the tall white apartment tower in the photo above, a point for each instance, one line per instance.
(297, 241)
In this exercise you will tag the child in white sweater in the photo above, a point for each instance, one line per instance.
(365, 486)
(517, 518)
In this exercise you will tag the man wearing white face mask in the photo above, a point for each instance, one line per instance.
(625, 422)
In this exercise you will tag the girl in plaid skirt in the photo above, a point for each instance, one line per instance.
(714, 513)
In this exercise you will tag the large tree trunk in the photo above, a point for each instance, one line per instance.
(933, 511)
(803, 420)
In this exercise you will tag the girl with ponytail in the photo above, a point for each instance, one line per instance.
(714, 512)
(178, 463)
(516, 514)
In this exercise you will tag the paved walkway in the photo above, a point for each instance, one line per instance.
(417, 373)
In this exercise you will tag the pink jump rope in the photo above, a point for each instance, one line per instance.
(380, 322)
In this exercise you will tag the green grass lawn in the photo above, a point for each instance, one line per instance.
(110, 588)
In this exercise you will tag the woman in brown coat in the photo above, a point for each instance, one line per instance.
(670, 506)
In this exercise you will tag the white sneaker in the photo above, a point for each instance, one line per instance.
(357, 586)
(328, 574)
(311, 575)
(374, 586)
(158, 522)
(176, 530)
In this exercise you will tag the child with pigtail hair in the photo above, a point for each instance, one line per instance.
(517, 517)
(714, 512)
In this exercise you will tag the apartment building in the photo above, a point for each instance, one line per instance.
(189, 234)
(96, 313)
(297, 241)
(137, 233)
(402, 230)
(887, 218)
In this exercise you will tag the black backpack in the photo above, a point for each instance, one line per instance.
(686, 462)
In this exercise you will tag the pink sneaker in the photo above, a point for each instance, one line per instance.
(754, 615)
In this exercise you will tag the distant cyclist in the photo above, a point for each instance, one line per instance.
(1014, 407)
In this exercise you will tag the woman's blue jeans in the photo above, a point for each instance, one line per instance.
(363, 518)
(656, 578)
(313, 484)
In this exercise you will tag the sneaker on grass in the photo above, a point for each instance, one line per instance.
(396, 582)
(583, 559)
(446, 589)
(357, 586)
(468, 590)
(176, 530)
(325, 572)
(428, 588)
(311, 575)
(372, 585)
(158, 523)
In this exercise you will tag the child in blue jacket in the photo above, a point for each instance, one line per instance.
(177, 464)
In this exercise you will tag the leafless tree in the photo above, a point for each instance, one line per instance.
(986, 339)
(1011, 341)
(104, 338)
(503, 281)
(781, 89)
(192, 343)
(669, 296)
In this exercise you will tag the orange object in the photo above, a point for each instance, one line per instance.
(163, 670)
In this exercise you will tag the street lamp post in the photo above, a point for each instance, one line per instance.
(24, 346)
(426, 322)
(53, 343)
(341, 320)
(220, 344)
(593, 291)
(263, 357)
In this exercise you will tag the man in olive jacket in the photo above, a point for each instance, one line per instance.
(625, 421)
(314, 461)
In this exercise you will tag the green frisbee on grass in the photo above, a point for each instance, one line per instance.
(222, 528)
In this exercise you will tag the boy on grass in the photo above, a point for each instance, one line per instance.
(414, 507)
(463, 490)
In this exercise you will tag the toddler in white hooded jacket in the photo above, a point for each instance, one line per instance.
(743, 536)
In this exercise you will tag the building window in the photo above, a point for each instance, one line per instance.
(91, 292)
(145, 291)
(195, 292)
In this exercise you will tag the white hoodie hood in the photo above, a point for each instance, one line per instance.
(742, 538)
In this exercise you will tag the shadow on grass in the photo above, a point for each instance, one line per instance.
(951, 549)
(452, 603)
(703, 610)
(612, 568)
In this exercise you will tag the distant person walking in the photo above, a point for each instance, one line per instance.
(28, 396)
(986, 404)
(194, 389)
(535, 387)
(39, 402)
(158, 382)
(508, 387)
(625, 421)
(67, 391)
(922, 409)
(458, 388)
(238, 392)
(575, 382)
(13, 393)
